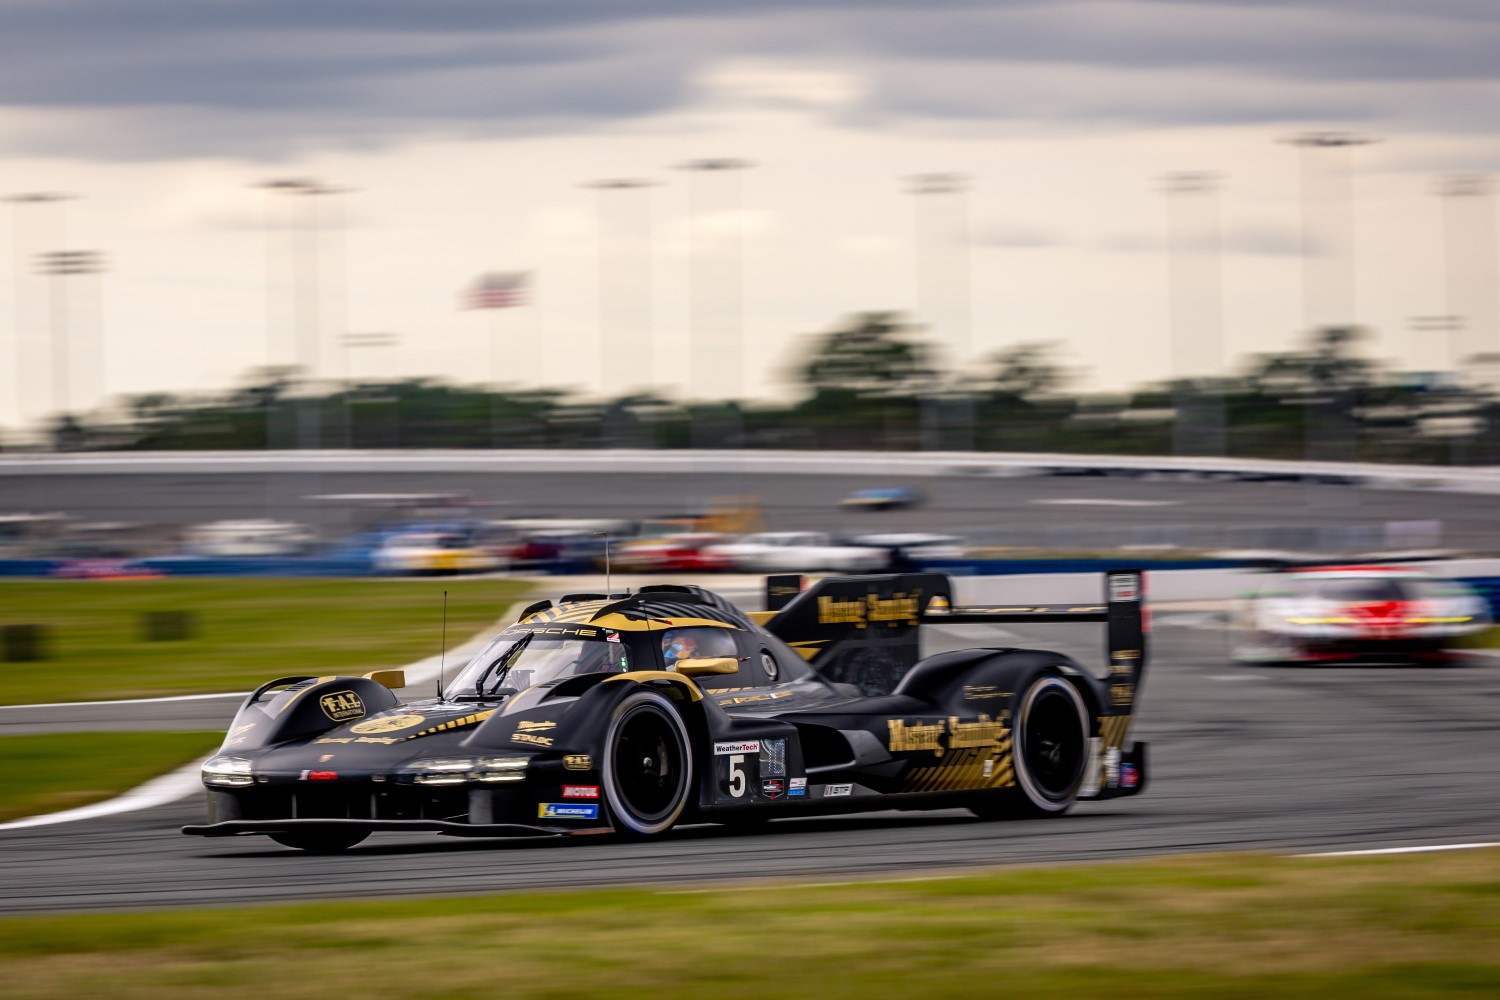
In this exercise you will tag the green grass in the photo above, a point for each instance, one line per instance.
(56, 771)
(1236, 927)
(249, 631)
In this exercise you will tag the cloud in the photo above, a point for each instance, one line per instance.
(269, 77)
(1015, 235)
(1240, 239)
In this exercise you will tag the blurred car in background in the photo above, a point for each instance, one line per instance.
(799, 552)
(909, 551)
(252, 537)
(1337, 614)
(882, 498)
(695, 552)
(458, 548)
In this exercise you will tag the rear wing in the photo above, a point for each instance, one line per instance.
(864, 629)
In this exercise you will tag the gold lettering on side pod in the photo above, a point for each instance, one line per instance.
(833, 612)
(916, 737)
(983, 733)
(896, 608)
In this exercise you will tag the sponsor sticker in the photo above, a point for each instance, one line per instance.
(1129, 776)
(535, 726)
(580, 791)
(341, 706)
(578, 762)
(541, 741)
(1125, 587)
(743, 746)
(837, 791)
(795, 784)
(388, 724)
(773, 788)
(773, 758)
(567, 810)
(612, 637)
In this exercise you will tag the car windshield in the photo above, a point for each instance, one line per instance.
(518, 660)
(1350, 590)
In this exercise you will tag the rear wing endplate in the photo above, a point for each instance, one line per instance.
(853, 625)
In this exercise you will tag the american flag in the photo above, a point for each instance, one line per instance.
(497, 290)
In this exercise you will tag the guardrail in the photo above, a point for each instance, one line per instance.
(905, 464)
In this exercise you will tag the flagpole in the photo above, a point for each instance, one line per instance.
(495, 377)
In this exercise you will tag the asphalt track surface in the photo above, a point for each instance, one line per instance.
(1243, 758)
(1016, 510)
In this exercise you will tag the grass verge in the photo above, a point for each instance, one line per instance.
(248, 631)
(1242, 926)
(52, 772)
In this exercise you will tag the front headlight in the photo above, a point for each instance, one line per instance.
(441, 771)
(498, 770)
(458, 770)
(229, 772)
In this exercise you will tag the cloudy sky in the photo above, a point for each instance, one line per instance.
(462, 133)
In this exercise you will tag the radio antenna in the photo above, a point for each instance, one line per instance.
(443, 652)
(609, 591)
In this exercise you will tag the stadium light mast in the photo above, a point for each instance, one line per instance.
(1328, 302)
(930, 233)
(1462, 197)
(60, 265)
(24, 251)
(631, 268)
(716, 348)
(1197, 322)
(307, 293)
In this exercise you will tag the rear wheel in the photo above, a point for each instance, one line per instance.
(1049, 747)
(320, 841)
(648, 771)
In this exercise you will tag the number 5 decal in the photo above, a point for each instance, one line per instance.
(737, 781)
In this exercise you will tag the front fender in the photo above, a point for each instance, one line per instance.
(304, 707)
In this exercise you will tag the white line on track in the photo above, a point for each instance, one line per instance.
(1103, 502)
(130, 701)
(157, 792)
(1423, 849)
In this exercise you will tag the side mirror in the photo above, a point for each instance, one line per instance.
(715, 665)
(393, 679)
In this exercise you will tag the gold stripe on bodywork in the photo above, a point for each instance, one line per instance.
(293, 699)
(643, 676)
(621, 623)
(467, 720)
(964, 769)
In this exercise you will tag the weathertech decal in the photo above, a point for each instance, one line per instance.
(580, 791)
(567, 810)
(745, 746)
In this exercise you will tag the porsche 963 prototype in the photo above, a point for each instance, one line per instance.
(635, 713)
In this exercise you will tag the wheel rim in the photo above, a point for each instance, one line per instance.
(1053, 741)
(648, 766)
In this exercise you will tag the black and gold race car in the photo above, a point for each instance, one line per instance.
(634, 713)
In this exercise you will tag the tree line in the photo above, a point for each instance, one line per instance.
(871, 382)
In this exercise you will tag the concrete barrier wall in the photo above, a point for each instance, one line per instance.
(908, 464)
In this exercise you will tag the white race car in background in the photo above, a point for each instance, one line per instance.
(433, 552)
(1339, 614)
(800, 552)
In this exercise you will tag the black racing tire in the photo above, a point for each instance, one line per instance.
(1049, 751)
(320, 841)
(648, 765)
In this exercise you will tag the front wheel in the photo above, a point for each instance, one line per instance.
(320, 841)
(1049, 747)
(648, 770)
